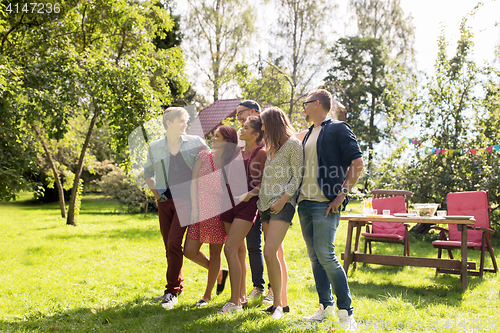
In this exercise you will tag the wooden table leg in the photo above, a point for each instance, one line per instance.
(347, 253)
(463, 247)
(356, 244)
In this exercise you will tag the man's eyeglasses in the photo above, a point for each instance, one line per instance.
(305, 103)
(241, 111)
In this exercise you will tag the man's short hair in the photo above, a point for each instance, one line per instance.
(324, 97)
(251, 105)
(173, 113)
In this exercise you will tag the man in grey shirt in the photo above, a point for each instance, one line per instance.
(169, 165)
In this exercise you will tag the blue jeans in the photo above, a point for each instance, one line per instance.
(254, 241)
(319, 235)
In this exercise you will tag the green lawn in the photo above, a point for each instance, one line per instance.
(101, 276)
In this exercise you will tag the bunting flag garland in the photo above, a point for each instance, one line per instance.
(451, 152)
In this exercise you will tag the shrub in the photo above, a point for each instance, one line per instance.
(126, 190)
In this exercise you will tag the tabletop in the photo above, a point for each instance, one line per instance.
(416, 219)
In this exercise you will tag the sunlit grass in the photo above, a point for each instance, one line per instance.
(102, 275)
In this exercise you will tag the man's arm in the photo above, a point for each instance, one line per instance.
(150, 181)
(355, 170)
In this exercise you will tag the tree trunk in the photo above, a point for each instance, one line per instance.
(58, 183)
(370, 141)
(218, 43)
(290, 110)
(79, 168)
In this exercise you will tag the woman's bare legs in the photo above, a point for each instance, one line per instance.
(242, 254)
(284, 276)
(213, 269)
(193, 253)
(236, 233)
(274, 233)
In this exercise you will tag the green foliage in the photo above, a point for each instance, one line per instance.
(218, 31)
(455, 116)
(357, 78)
(385, 20)
(17, 156)
(270, 86)
(124, 189)
(300, 47)
(96, 59)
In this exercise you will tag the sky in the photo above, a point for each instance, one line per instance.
(429, 16)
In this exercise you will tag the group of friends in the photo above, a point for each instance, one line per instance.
(314, 170)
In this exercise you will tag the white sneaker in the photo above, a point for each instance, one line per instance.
(348, 323)
(321, 315)
(256, 293)
(230, 307)
(169, 301)
(269, 299)
(277, 313)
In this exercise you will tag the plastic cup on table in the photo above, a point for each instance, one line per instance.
(441, 213)
(386, 212)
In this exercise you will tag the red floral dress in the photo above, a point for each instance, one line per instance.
(210, 229)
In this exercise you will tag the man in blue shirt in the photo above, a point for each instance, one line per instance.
(333, 163)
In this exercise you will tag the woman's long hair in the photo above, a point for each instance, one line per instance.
(256, 124)
(276, 126)
(231, 148)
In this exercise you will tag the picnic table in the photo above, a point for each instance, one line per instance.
(351, 256)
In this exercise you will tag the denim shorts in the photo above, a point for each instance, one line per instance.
(286, 214)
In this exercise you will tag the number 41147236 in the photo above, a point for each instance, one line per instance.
(34, 8)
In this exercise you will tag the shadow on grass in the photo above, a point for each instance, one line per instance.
(129, 233)
(145, 315)
(443, 292)
(446, 289)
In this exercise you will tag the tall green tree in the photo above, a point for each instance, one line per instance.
(17, 156)
(456, 117)
(386, 20)
(217, 32)
(301, 33)
(99, 60)
(357, 78)
(270, 85)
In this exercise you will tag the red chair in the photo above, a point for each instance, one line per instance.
(388, 232)
(478, 235)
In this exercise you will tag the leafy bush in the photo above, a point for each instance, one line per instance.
(126, 190)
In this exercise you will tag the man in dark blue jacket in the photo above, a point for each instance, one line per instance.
(333, 163)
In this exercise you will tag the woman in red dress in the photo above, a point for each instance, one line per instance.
(206, 197)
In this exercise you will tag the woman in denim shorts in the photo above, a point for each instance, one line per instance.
(276, 204)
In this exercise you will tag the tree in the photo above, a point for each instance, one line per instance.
(455, 118)
(302, 27)
(385, 20)
(218, 31)
(358, 79)
(269, 86)
(16, 147)
(97, 59)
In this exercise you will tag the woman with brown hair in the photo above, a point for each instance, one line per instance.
(241, 217)
(281, 179)
(206, 195)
